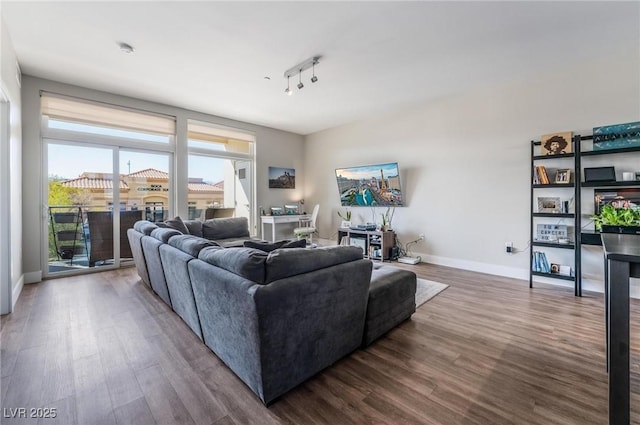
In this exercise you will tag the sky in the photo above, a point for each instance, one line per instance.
(275, 172)
(70, 161)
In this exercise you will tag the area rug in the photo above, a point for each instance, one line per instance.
(427, 289)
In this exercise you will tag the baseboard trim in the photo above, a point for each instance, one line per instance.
(588, 283)
(16, 292)
(475, 266)
(33, 277)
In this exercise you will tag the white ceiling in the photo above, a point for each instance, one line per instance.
(376, 56)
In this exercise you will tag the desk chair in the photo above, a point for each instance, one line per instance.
(308, 226)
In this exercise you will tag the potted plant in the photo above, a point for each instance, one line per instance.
(387, 217)
(346, 218)
(618, 219)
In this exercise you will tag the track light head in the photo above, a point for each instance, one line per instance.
(298, 69)
(288, 90)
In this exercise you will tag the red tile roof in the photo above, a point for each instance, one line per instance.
(93, 183)
(84, 182)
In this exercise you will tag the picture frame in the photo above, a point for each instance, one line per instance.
(556, 143)
(282, 178)
(563, 176)
(549, 205)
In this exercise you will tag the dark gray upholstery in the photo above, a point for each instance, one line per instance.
(392, 300)
(175, 256)
(151, 249)
(145, 227)
(135, 241)
(277, 335)
(272, 246)
(225, 228)
(290, 262)
(177, 224)
(164, 234)
(245, 262)
(194, 227)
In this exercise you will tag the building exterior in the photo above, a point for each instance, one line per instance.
(146, 189)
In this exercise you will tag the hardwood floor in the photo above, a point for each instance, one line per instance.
(103, 349)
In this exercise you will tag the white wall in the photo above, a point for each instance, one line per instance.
(11, 278)
(465, 160)
(273, 147)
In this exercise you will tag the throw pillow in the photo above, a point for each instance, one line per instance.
(177, 224)
(300, 243)
(268, 246)
(264, 245)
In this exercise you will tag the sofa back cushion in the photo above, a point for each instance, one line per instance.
(225, 228)
(164, 234)
(246, 262)
(144, 227)
(194, 227)
(190, 244)
(290, 262)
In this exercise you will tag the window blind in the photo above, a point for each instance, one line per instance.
(104, 115)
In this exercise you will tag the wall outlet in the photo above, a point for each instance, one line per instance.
(421, 237)
(508, 248)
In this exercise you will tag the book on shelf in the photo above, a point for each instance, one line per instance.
(542, 174)
(540, 263)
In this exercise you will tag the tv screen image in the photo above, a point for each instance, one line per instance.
(370, 185)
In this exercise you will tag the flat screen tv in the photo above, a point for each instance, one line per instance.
(370, 185)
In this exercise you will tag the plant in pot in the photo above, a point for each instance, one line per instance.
(618, 219)
(346, 218)
(387, 217)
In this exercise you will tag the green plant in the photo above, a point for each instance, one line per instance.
(387, 216)
(345, 215)
(616, 216)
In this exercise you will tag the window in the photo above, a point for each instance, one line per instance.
(220, 164)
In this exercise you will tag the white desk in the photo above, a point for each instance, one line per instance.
(274, 220)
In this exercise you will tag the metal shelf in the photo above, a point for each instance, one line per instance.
(554, 276)
(555, 215)
(554, 245)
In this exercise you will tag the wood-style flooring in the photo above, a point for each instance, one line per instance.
(103, 349)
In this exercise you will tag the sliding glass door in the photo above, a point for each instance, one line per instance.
(89, 211)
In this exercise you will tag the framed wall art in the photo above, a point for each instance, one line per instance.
(282, 178)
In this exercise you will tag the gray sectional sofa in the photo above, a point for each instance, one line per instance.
(275, 318)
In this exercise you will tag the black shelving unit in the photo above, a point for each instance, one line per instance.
(574, 186)
(592, 237)
(581, 237)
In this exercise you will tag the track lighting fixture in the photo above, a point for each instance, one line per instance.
(291, 72)
(288, 90)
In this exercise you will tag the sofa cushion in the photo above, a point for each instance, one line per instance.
(246, 262)
(190, 244)
(177, 224)
(225, 228)
(290, 262)
(194, 227)
(164, 234)
(144, 227)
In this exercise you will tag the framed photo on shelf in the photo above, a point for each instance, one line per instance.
(549, 205)
(563, 176)
(556, 143)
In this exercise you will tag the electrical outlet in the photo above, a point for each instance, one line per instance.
(421, 236)
(509, 247)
